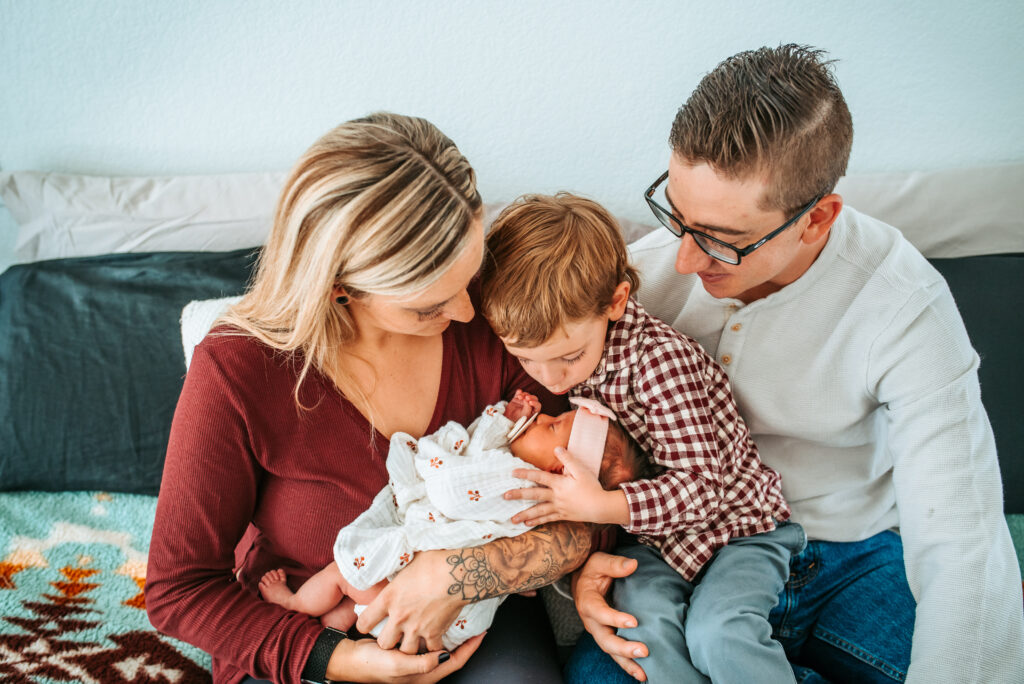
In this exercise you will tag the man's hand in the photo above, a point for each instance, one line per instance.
(590, 585)
(575, 495)
(417, 604)
(364, 660)
(522, 404)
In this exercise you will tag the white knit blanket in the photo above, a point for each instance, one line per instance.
(445, 492)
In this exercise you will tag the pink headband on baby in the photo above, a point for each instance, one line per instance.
(589, 432)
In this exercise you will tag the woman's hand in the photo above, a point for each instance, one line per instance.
(417, 605)
(590, 585)
(575, 495)
(364, 661)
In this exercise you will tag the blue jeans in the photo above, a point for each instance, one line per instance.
(846, 614)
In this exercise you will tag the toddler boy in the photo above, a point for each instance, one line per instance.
(556, 286)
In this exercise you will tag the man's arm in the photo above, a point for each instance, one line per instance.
(514, 564)
(590, 586)
(425, 597)
(958, 555)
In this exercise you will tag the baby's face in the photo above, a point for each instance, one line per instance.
(537, 445)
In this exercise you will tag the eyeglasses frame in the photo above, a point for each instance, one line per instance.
(684, 229)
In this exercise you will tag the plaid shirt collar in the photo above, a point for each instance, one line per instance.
(619, 343)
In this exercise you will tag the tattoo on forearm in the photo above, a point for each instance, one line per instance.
(528, 561)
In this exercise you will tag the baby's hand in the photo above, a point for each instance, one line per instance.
(522, 404)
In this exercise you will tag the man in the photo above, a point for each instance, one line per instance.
(854, 372)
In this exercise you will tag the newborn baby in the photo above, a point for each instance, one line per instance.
(445, 490)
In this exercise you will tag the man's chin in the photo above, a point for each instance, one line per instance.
(718, 288)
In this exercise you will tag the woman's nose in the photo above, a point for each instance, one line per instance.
(690, 258)
(461, 308)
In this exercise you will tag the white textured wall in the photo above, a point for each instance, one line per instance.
(540, 95)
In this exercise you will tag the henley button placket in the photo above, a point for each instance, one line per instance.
(726, 341)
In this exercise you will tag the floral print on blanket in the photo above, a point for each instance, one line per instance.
(445, 491)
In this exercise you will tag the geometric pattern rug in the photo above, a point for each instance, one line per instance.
(72, 602)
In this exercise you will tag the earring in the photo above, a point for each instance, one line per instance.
(343, 300)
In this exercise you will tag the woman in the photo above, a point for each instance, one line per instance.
(279, 439)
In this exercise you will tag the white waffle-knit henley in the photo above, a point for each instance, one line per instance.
(859, 385)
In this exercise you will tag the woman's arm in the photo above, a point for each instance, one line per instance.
(425, 597)
(208, 494)
(210, 490)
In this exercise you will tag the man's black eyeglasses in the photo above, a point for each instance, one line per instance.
(712, 246)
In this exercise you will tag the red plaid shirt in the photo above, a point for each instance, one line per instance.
(675, 401)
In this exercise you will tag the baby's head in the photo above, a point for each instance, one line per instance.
(555, 272)
(622, 460)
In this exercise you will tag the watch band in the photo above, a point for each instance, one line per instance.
(315, 671)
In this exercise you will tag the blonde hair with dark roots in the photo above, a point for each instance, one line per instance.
(551, 260)
(771, 112)
(379, 205)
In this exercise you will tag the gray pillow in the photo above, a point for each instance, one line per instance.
(91, 364)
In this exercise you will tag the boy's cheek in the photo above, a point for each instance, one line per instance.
(526, 367)
(582, 372)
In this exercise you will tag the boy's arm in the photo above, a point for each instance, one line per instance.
(687, 405)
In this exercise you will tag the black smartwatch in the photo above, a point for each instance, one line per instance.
(315, 671)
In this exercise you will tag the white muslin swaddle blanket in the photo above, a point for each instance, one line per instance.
(444, 492)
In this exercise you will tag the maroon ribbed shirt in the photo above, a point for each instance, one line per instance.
(253, 482)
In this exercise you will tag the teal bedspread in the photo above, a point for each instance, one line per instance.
(72, 607)
(1016, 523)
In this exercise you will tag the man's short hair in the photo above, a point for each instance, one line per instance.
(777, 113)
(551, 260)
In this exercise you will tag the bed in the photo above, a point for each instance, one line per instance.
(92, 359)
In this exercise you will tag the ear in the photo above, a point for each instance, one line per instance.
(822, 216)
(338, 291)
(619, 299)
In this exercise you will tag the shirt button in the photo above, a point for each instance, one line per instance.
(736, 328)
(726, 359)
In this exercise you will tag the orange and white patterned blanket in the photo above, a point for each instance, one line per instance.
(72, 602)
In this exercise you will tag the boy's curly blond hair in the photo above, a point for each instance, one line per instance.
(551, 260)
